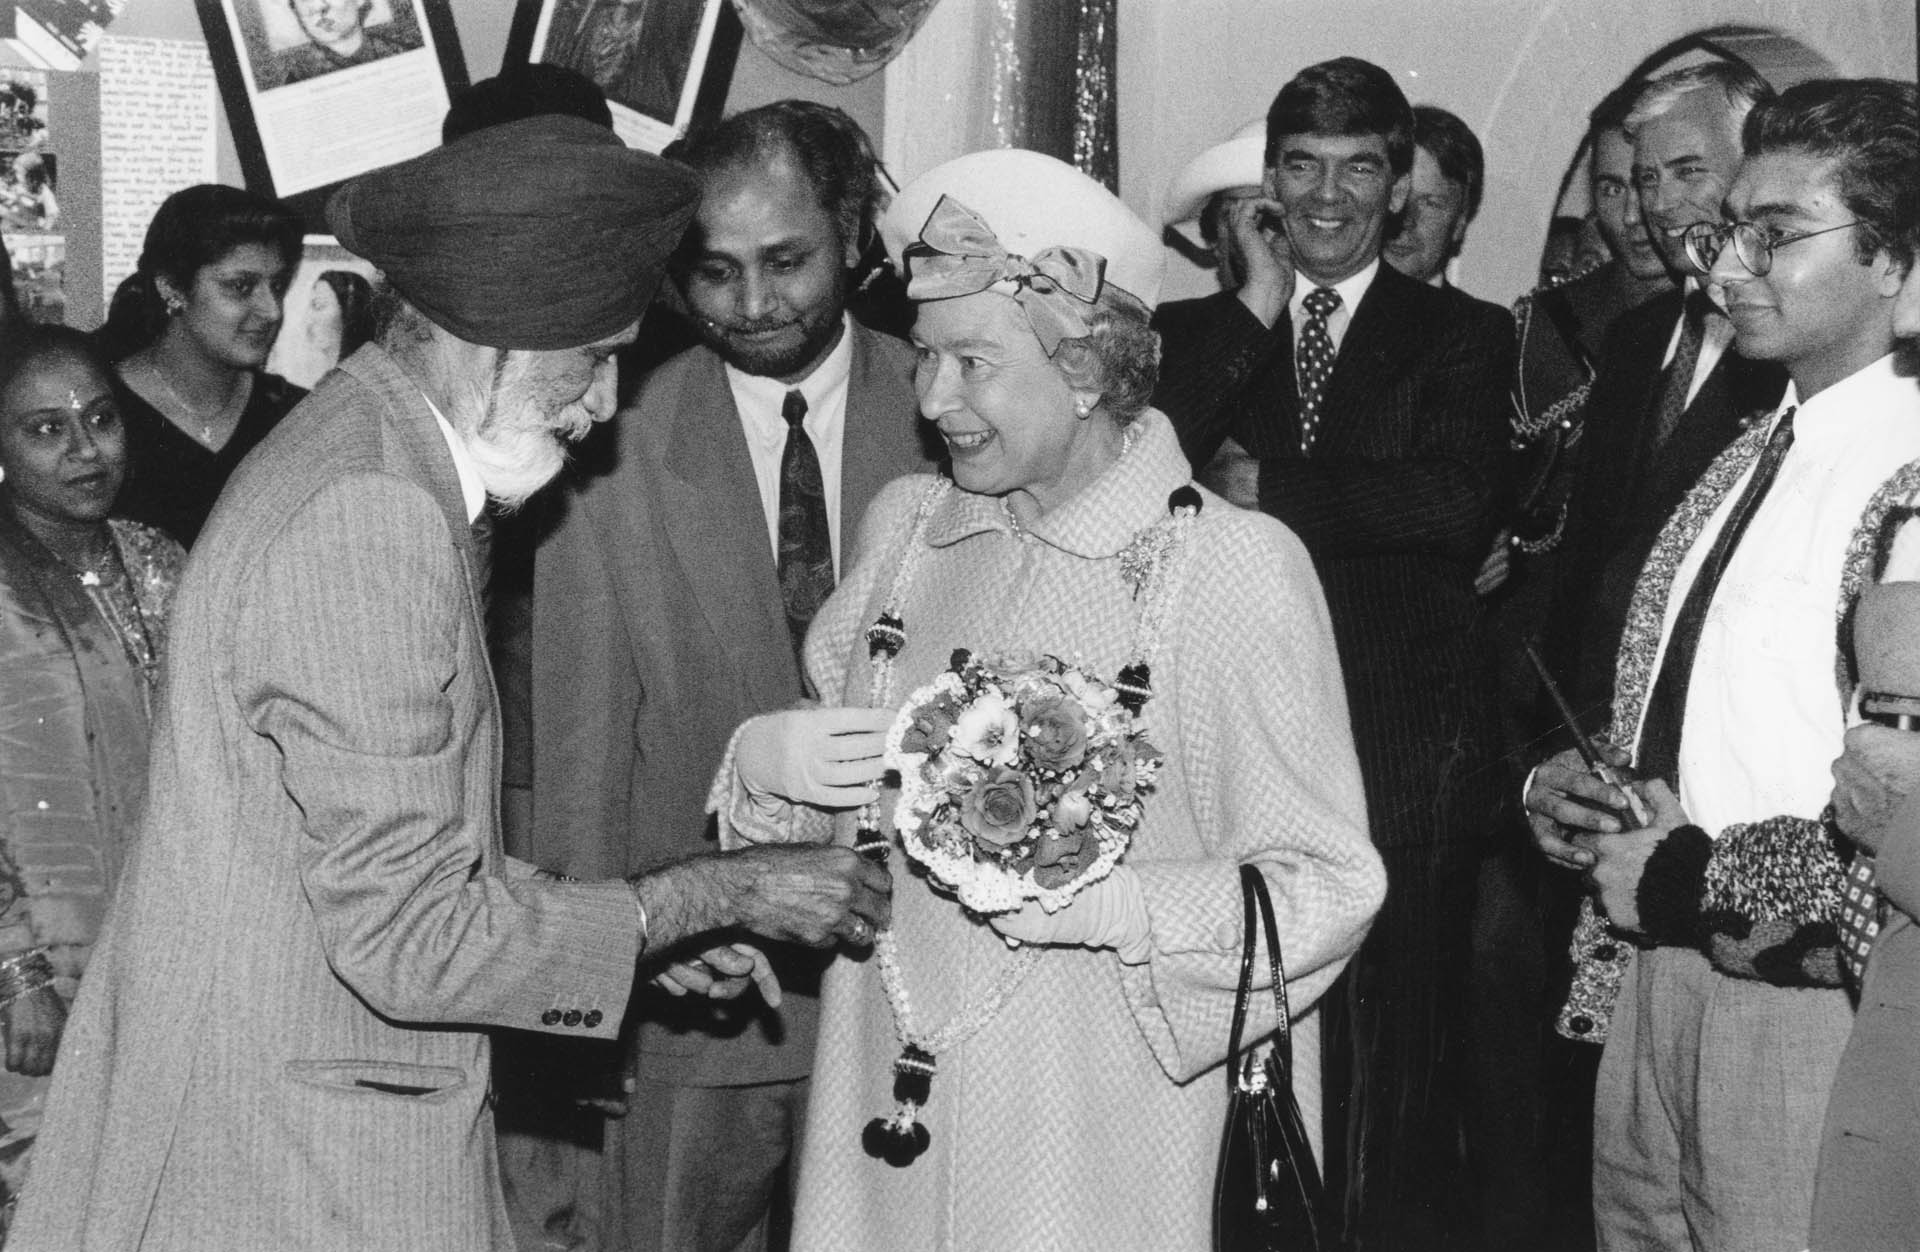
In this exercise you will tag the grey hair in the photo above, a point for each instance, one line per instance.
(1119, 359)
(1738, 85)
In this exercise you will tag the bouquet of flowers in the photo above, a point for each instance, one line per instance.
(1019, 780)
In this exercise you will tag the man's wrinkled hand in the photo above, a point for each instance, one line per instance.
(722, 973)
(1565, 799)
(816, 896)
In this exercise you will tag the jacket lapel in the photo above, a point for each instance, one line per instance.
(713, 521)
(1372, 355)
(880, 439)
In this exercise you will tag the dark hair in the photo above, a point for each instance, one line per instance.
(1611, 113)
(1344, 96)
(355, 296)
(823, 142)
(1453, 147)
(192, 229)
(1871, 128)
(522, 91)
(21, 349)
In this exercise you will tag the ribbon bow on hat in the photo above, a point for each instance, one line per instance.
(958, 255)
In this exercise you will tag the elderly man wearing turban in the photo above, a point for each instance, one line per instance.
(281, 1043)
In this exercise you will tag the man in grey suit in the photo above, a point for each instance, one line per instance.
(279, 1042)
(669, 604)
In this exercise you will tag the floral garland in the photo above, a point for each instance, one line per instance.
(1151, 565)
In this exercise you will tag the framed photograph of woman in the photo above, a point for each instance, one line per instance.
(321, 91)
(662, 63)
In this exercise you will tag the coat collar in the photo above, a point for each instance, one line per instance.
(1102, 519)
(415, 447)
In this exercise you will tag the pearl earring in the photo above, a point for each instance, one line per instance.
(1082, 410)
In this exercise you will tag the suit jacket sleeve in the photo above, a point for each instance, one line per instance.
(358, 605)
(1209, 350)
(1440, 498)
(586, 688)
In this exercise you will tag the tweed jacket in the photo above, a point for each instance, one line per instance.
(1867, 1192)
(1087, 1112)
(1396, 504)
(277, 1044)
(1623, 492)
(658, 628)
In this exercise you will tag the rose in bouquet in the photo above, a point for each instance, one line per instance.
(1019, 780)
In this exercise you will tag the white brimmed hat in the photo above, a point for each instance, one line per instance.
(1032, 202)
(1238, 162)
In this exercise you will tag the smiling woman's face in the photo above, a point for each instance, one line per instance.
(61, 442)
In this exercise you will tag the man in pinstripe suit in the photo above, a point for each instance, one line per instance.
(1376, 408)
(279, 1043)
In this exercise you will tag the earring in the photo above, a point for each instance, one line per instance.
(174, 304)
(1082, 409)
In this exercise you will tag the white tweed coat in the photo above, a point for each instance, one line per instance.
(277, 1043)
(1088, 1113)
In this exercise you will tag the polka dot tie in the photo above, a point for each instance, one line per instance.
(1314, 361)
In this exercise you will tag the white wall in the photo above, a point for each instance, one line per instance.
(1522, 73)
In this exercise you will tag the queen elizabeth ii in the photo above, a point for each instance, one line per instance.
(1061, 1093)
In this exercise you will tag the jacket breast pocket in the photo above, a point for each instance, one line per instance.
(379, 1079)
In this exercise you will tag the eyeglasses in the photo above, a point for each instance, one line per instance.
(1753, 244)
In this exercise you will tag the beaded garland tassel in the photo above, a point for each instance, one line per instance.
(1149, 564)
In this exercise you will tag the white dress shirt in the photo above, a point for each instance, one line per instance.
(473, 491)
(1763, 722)
(1351, 288)
(758, 401)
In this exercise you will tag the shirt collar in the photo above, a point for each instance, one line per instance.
(1102, 519)
(762, 394)
(473, 489)
(1854, 395)
(1351, 289)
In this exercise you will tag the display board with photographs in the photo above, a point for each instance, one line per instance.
(322, 91)
(662, 63)
(59, 34)
(31, 221)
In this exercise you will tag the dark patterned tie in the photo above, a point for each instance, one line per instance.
(1667, 706)
(1860, 917)
(806, 545)
(1677, 379)
(1314, 361)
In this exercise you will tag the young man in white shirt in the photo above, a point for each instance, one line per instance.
(1731, 700)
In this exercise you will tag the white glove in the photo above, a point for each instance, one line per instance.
(825, 757)
(1111, 913)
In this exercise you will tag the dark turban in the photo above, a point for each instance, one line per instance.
(538, 234)
(524, 91)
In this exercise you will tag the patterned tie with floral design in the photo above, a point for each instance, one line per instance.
(805, 559)
(1314, 361)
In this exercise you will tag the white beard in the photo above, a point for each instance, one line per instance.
(515, 445)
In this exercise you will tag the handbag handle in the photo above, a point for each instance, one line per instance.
(1253, 890)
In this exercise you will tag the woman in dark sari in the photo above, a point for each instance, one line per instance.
(83, 604)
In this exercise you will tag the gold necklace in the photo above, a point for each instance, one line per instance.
(235, 392)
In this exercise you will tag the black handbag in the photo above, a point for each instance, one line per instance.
(1267, 1195)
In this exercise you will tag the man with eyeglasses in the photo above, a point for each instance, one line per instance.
(1732, 697)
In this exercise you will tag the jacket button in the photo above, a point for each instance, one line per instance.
(572, 1018)
(1581, 1024)
(550, 1018)
(592, 1019)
